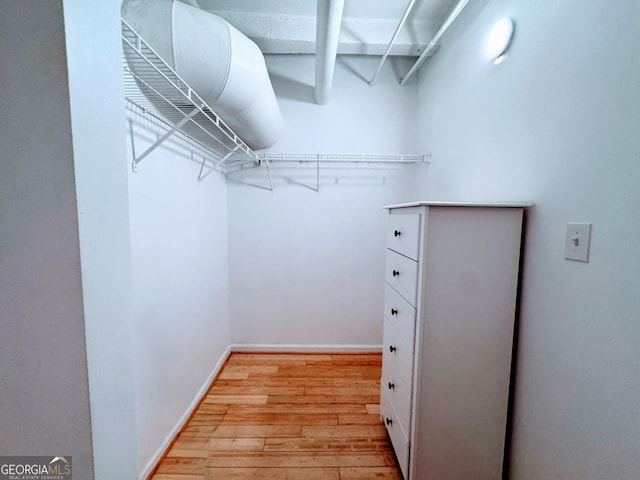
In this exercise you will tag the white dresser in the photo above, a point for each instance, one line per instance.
(449, 311)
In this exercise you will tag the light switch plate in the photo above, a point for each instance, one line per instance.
(577, 242)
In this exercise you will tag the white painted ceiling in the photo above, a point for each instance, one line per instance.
(288, 26)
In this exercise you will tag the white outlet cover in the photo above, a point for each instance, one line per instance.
(577, 242)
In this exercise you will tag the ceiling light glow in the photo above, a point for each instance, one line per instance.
(500, 39)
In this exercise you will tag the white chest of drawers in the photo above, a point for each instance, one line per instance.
(449, 310)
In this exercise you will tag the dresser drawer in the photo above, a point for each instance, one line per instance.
(398, 388)
(402, 274)
(397, 356)
(401, 314)
(396, 434)
(403, 231)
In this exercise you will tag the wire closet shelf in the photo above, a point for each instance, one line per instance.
(155, 91)
(346, 158)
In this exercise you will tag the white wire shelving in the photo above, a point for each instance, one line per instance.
(154, 90)
(338, 161)
(158, 91)
(346, 158)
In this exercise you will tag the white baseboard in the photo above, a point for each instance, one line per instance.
(151, 464)
(295, 348)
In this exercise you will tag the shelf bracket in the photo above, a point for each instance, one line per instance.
(158, 142)
(204, 161)
(224, 159)
(216, 164)
(269, 172)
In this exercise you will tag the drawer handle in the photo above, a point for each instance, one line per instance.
(392, 348)
(389, 421)
(392, 386)
(396, 273)
(397, 233)
(394, 311)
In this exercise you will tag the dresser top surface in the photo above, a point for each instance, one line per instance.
(461, 204)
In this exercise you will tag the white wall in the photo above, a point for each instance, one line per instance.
(67, 376)
(557, 124)
(97, 113)
(44, 393)
(180, 282)
(306, 267)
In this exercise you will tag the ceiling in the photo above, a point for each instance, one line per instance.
(285, 26)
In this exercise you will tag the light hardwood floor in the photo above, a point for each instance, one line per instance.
(287, 417)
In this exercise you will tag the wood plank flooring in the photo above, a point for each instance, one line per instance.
(287, 417)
